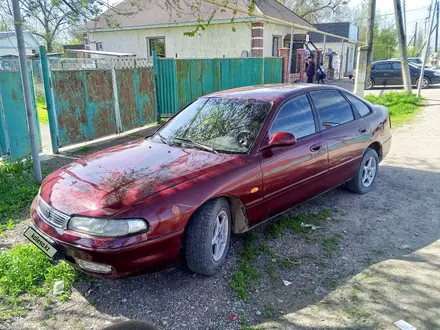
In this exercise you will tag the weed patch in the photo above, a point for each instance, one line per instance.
(85, 149)
(17, 189)
(25, 269)
(402, 106)
(43, 116)
(331, 244)
(277, 228)
(247, 274)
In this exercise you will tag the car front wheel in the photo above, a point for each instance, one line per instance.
(207, 237)
(367, 173)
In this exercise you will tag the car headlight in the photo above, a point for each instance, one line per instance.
(437, 73)
(107, 227)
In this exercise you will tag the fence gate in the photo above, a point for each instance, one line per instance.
(14, 131)
(99, 97)
(179, 81)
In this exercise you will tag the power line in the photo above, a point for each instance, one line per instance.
(388, 14)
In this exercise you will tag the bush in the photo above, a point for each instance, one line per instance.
(402, 106)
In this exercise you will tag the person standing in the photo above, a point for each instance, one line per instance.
(321, 75)
(310, 70)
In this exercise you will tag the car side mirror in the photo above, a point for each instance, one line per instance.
(281, 139)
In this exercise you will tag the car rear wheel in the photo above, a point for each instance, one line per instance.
(425, 82)
(207, 237)
(369, 84)
(367, 173)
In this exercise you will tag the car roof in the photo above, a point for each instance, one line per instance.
(269, 92)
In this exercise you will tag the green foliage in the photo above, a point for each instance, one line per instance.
(385, 43)
(9, 225)
(402, 106)
(17, 189)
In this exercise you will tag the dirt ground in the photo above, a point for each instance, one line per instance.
(382, 264)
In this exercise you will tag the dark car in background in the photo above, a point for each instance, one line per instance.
(389, 73)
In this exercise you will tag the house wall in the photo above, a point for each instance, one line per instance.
(218, 40)
(336, 48)
(8, 46)
(271, 30)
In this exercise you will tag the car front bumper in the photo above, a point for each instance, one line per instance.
(124, 257)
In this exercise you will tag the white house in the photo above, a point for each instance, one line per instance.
(345, 50)
(147, 26)
(8, 43)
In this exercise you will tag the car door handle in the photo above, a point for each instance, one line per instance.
(315, 147)
(363, 130)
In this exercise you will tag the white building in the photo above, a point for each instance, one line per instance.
(339, 49)
(8, 43)
(145, 27)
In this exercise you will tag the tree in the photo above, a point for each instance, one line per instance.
(385, 43)
(317, 11)
(48, 18)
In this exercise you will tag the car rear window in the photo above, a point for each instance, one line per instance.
(396, 66)
(332, 107)
(360, 106)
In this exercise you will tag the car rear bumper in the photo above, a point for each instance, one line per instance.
(131, 260)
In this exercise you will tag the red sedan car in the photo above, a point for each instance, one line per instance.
(223, 165)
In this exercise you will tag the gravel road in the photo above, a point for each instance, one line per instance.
(374, 261)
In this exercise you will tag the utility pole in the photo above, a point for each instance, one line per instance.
(370, 35)
(402, 43)
(425, 50)
(415, 39)
(18, 22)
(436, 26)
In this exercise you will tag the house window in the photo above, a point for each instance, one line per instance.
(157, 44)
(276, 44)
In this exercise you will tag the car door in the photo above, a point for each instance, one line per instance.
(346, 133)
(395, 77)
(380, 73)
(295, 173)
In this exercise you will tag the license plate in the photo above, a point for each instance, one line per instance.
(40, 242)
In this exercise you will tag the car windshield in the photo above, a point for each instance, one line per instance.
(215, 124)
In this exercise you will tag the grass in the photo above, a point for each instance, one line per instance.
(402, 107)
(17, 189)
(24, 269)
(43, 115)
(277, 228)
(85, 149)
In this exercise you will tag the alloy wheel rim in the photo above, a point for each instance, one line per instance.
(369, 172)
(425, 83)
(220, 235)
(369, 83)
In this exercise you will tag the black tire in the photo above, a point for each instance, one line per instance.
(425, 85)
(369, 84)
(356, 184)
(199, 233)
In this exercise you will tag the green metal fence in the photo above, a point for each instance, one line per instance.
(179, 81)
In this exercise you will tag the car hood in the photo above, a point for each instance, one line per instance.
(106, 182)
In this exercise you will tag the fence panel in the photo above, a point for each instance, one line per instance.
(14, 131)
(192, 78)
(100, 97)
(137, 97)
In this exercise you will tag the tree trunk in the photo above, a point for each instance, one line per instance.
(49, 45)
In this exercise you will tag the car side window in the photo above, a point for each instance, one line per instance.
(396, 66)
(332, 107)
(295, 117)
(381, 67)
(360, 106)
